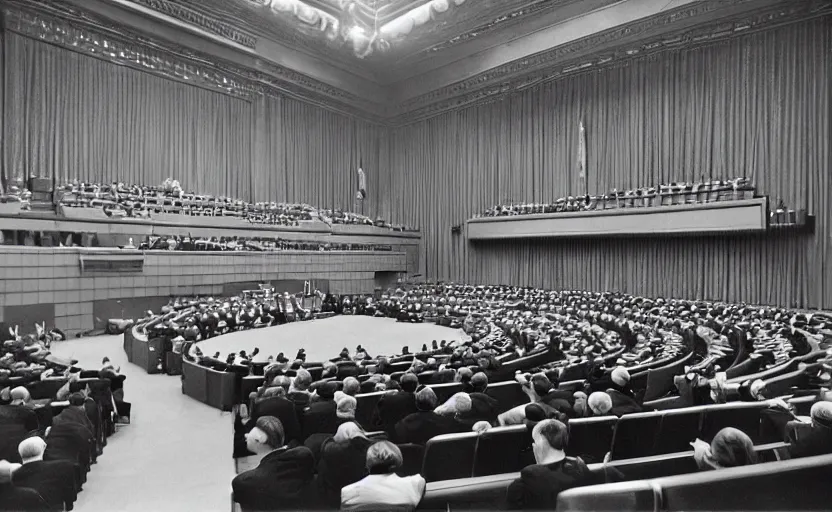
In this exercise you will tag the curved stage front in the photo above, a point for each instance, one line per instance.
(322, 339)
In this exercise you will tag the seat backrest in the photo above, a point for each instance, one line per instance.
(660, 380)
(500, 450)
(744, 416)
(635, 435)
(774, 371)
(678, 428)
(656, 466)
(449, 456)
(365, 405)
(480, 493)
(798, 484)
(574, 372)
(401, 366)
(413, 456)
(572, 385)
(622, 497)
(508, 394)
(783, 383)
(446, 391)
(590, 438)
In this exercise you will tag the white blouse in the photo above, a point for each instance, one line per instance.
(389, 489)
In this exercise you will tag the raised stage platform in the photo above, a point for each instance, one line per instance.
(78, 289)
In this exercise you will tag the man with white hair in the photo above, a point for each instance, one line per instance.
(599, 403)
(539, 484)
(54, 480)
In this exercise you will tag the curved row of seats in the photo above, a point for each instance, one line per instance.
(489, 492)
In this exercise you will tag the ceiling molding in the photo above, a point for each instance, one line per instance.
(558, 62)
(91, 33)
(82, 32)
(207, 23)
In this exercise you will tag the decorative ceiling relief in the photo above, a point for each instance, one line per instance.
(358, 23)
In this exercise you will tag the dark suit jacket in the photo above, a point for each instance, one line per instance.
(340, 464)
(69, 441)
(282, 409)
(10, 437)
(807, 440)
(18, 499)
(483, 407)
(54, 480)
(538, 486)
(391, 408)
(280, 482)
(19, 414)
(320, 418)
(622, 404)
(419, 427)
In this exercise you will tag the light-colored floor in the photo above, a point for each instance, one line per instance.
(174, 456)
(176, 453)
(324, 339)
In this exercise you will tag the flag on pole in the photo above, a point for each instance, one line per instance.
(581, 151)
(362, 181)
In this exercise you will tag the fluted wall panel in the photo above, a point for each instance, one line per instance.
(754, 106)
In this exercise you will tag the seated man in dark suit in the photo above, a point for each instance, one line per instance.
(320, 417)
(282, 479)
(55, 481)
(622, 403)
(395, 405)
(539, 485)
(483, 407)
(17, 498)
(807, 439)
(20, 411)
(274, 403)
(69, 441)
(419, 427)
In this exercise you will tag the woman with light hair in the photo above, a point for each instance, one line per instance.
(382, 489)
(341, 462)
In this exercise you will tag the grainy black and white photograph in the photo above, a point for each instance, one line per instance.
(415, 255)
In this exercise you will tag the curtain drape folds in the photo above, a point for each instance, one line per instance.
(307, 154)
(72, 116)
(755, 106)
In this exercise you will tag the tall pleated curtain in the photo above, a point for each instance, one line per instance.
(304, 153)
(756, 106)
(71, 116)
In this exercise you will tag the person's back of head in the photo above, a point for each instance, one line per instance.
(479, 382)
(464, 375)
(459, 403)
(274, 391)
(426, 399)
(267, 435)
(351, 386)
(345, 408)
(600, 403)
(383, 458)
(409, 382)
(31, 449)
(20, 396)
(550, 439)
(302, 381)
(620, 376)
(821, 413)
(283, 382)
(347, 431)
(541, 384)
(77, 399)
(732, 447)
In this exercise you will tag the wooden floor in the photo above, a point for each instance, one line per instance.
(176, 455)
(324, 339)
